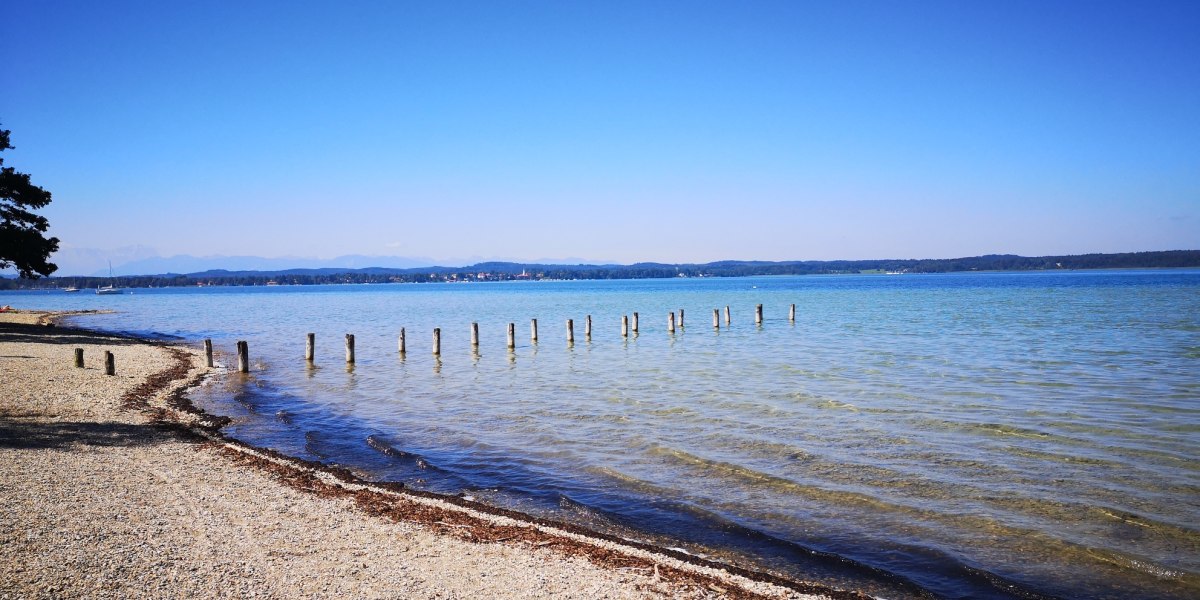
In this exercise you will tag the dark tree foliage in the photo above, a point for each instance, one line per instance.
(21, 241)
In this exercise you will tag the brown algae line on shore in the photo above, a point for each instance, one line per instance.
(445, 515)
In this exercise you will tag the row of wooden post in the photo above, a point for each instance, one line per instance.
(243, 351)
(110, 361)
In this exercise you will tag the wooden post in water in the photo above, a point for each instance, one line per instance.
(310, 347)
(727, 315)
(350, 348)
(570, 331)
(758, 315)
(208, 361)
(681, 318)
(670, 322)
(243, 357)
(533, 330)
(437, 341)
(400, 343)
(716, 319)
(512, 336)
(587, 328)
(624, 326)
(110, 363)
(475, 335)
(79, 358)
(792, 313)
(635, 322)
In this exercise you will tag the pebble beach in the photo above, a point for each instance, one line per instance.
(111, 488)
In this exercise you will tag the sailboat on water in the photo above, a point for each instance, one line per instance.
(71, 288)
(109, 289)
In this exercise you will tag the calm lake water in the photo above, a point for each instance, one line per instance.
(963, 436)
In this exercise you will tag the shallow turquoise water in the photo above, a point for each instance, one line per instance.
(973, 435)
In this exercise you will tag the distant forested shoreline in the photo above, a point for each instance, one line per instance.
(508, 271)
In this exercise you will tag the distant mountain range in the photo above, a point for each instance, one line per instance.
(505, 271)
(193, 264)
(142, 260)
(138, 260)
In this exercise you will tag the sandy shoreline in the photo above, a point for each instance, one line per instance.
(110, 487)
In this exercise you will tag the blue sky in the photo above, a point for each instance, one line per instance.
(609, 131)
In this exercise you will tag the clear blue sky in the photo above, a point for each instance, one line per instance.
(616, 131)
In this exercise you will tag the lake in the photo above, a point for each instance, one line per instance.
(981, 435)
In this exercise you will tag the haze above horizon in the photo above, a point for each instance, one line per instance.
(614, 132)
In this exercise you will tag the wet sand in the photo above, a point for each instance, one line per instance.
(115, 486)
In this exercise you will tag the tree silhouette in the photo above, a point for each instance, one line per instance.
(21, 241)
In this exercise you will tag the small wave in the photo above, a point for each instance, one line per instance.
(1130, 518)
(630, 482)
(591, 516)
(995, 429)
(758, 478)
(1043, 384)
(1002, 429)
(1060, 457)
(312, 440)
(837, 404)
(284, 417)
(379, 445)
(1135, 563)
(673, 411)
(245, 400)
(375, 443)
(777, 451)
(1176, 533)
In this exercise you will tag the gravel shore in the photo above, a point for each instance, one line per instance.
(109, 490)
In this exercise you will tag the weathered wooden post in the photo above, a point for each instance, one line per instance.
(110, 363)
(727, 315)
(758, 315)
(400, 343)
(243, 357)
(681, 318)
(208, 359)
(792, 313)
(437, 341)
(635, 322)
(533, 330)
(670, 322)
(587, 328)
(512, 336)
(570, 331)
(310, 347)
(79, 358)
(624, 325)
(475, 335)
(716, 319)
(350, 348)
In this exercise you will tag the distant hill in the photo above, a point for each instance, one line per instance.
(141, 260)
(242, 264)
(509, 271)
